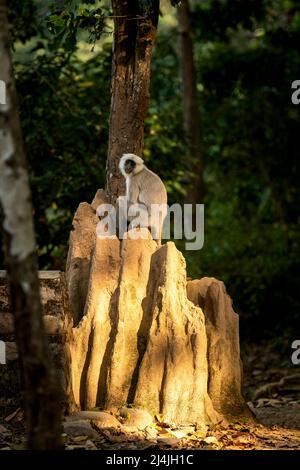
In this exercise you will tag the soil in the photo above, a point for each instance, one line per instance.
(271, 389)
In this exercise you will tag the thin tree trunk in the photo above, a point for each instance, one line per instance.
(134, 36)
(41, 393)
(192, 120)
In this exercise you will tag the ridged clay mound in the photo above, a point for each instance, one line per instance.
(140, 335)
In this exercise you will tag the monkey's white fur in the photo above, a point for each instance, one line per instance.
(144, 187)
(139, 167)
(137, 160)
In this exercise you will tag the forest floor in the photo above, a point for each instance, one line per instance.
(272, 390)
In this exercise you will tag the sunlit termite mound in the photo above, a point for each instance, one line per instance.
(142, 335)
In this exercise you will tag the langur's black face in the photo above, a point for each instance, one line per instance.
(129, 166)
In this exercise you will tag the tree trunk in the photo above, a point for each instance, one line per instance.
(192, 121)
(41, 393)
(134, 36)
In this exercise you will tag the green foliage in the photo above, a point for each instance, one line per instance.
(65, 21)
(23, 19)
(64, 112)
(252, 165)
(145, 5)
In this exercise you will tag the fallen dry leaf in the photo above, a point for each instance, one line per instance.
(18, 414)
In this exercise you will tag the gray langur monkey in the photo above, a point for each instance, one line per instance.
(145, 188)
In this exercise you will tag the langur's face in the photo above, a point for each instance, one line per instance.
(129, 166)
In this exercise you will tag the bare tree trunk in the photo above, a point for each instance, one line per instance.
(134, 36)
(192, 121)
(41, 393)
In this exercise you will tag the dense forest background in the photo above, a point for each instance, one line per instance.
(247, 56)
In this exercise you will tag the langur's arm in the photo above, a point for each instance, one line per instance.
(133, 193)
